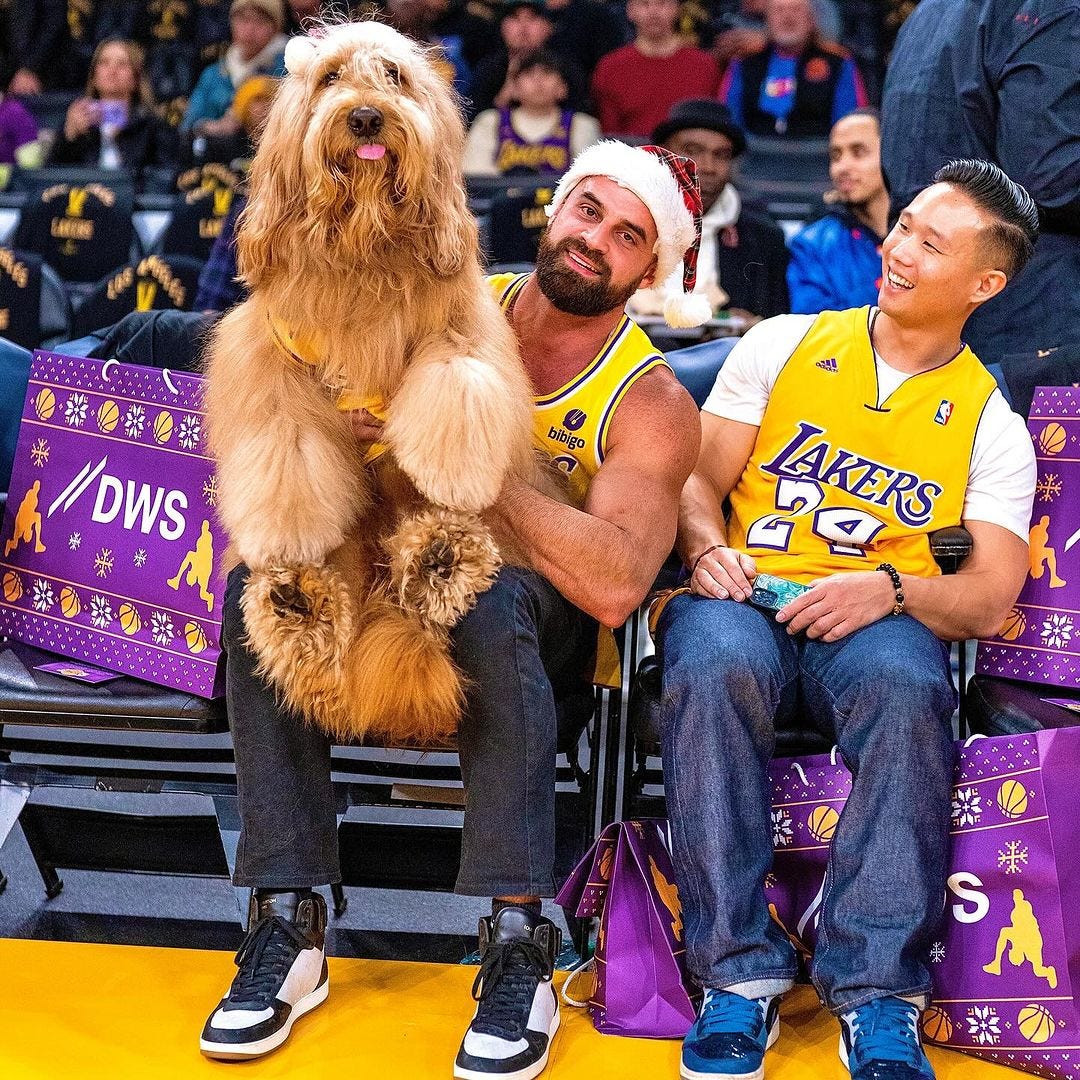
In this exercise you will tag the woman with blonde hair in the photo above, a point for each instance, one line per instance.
(114, 126)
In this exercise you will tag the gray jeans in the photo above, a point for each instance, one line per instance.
(521, 646)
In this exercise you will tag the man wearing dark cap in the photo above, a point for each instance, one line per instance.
(525, 26)
(742, 249)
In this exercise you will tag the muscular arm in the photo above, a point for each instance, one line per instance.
(605, 557)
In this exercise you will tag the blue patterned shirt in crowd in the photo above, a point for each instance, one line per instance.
(218, 288)
(835, 264)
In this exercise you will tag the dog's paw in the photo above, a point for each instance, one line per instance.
(297, 614)
(439, 562)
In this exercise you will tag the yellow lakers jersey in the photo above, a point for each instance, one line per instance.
(571, 425)
(838, 481)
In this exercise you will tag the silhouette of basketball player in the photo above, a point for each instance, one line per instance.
(199, 565)
(27, 521)
(1024, 940)
(669, 896)
(1042, 553)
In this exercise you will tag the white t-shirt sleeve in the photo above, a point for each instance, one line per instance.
(743, 386)
(1001, 484)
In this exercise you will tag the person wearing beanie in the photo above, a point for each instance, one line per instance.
(838, 444)
(743, 254)
(256, 47)
(623, 433)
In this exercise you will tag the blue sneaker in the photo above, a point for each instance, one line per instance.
(880, 1041)
(730, 1036)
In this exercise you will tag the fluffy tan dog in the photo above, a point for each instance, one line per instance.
(366, 290)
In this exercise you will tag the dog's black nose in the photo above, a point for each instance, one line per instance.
(365, 122)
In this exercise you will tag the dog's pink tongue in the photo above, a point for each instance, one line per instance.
(370, 151)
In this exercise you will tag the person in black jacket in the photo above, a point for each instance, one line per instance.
(114, 125)
(997, 79)
(742, 249)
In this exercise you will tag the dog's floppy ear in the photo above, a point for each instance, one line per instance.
(275, 186)
(448, 234)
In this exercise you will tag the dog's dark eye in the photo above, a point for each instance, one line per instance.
(392, 73)
(330, 77)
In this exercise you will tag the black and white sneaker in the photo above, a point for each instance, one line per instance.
(517, 1012)
(282, 975)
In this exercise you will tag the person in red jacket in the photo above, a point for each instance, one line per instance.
(634, 87)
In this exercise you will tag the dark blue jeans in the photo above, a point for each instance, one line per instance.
(519, 648)
(885, 694)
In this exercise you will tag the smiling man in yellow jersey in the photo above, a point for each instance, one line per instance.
(842, 440)
(617, 422)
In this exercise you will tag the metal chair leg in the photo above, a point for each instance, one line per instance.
(341, 902)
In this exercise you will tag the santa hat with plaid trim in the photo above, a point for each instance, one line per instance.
(667, 184)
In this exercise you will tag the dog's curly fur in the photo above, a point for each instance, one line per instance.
(358, 571)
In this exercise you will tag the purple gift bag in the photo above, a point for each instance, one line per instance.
(111, 548)
(626, 880)
(1040, 639)
(1006, 968)
(808, 795)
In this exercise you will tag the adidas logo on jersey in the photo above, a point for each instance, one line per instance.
(829, 365)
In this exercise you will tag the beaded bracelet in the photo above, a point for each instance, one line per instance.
(898, 587)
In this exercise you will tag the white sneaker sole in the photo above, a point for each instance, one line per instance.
(246, 1051)
(535, 1069)
(757, 1074)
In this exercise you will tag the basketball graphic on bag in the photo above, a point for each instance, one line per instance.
(936, 1025)
(163, 426)
(1052, 439)
(1013, 626)
(107, 416)
(70, 604)
(12, 586)
(1012, 799)
(130, 622)
(45, 403)
(822, 823)
(1036, 1023)
(195, 638)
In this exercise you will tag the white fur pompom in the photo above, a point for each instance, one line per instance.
(299, 53)
(687, 309)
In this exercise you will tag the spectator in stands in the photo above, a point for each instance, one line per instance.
(585, 31)
(635, 86)
(842, 440)
(798, 84)
(978, 79)
(257, 48)
(836, 260)
(524, 26)
(528, 639)
(18, 135)
(38, 30)
(114, 125)
(219, 285)
(462, 39)
(742, 29)
(250, 108)
(537, 135)
(743, 254)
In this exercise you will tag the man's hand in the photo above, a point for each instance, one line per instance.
(724, 573)
(365, 426)
(835, 606)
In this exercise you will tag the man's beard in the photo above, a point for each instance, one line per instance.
(572, 292)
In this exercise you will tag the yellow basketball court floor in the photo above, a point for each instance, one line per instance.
(111, 1012)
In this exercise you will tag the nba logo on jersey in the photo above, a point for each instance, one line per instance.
(944, 411)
